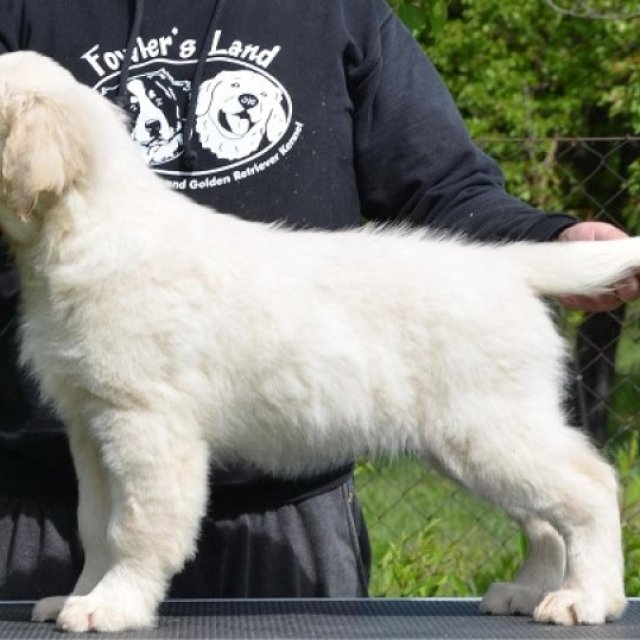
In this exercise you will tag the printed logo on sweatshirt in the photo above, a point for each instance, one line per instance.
(243, 114)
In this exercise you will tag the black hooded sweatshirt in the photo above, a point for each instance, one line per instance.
(318, 113)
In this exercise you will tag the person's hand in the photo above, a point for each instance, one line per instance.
(625, 291)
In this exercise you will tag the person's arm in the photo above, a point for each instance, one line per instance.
(415, 161)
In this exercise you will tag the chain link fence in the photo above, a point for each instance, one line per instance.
(597, 9)
(430, 537)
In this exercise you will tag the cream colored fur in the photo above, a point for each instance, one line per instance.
(168, 336)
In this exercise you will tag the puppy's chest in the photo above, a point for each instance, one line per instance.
(52, 345)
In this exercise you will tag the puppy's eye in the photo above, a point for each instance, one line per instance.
(158, 102)
(263, 94)
(235, 85)
(134, 107)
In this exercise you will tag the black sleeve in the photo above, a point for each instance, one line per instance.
(9, 38)
(10, 19)
(11, 401)
(415, 161)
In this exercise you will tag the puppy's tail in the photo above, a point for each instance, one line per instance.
(576, 268)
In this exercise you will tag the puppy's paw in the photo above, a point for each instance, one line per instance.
(48, 608)
(574, 606)
(511, 598)
(87, 613)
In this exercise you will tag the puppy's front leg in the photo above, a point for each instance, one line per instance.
(157, 468)
(93, 518)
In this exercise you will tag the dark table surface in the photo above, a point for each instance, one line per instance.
(327, 618)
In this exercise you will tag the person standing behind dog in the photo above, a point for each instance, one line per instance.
(315, 114)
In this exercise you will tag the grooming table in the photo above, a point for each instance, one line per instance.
(327, 618)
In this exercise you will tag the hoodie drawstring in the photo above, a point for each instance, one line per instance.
(136, 27)
(189, 156)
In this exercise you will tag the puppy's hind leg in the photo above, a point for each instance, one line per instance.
(553, 474)
(541, 572)
(157, 467)
(586, 512)
(93, 517)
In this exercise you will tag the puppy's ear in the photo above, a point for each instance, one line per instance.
(44, 151)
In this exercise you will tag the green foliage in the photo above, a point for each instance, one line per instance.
(522, 70)
(597, 9)
(631, 538)
(425, 19)
(429, 537)
(421, 566)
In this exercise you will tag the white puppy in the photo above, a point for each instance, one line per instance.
(168, 336)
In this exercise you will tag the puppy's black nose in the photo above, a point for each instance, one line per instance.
(153, 127)
(248, 100)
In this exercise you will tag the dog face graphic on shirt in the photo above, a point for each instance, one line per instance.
(155, 101)
(237, 112)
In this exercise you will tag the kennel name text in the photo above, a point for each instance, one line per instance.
(208, 182)
(103, 62)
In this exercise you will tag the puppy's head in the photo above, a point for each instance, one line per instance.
(43, 146)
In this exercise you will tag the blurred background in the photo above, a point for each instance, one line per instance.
(551, 89)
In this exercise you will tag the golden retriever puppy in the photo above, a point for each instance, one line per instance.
(168, 336)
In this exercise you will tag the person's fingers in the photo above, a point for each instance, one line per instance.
(587, 231)
(592, 304)
(627, 289)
